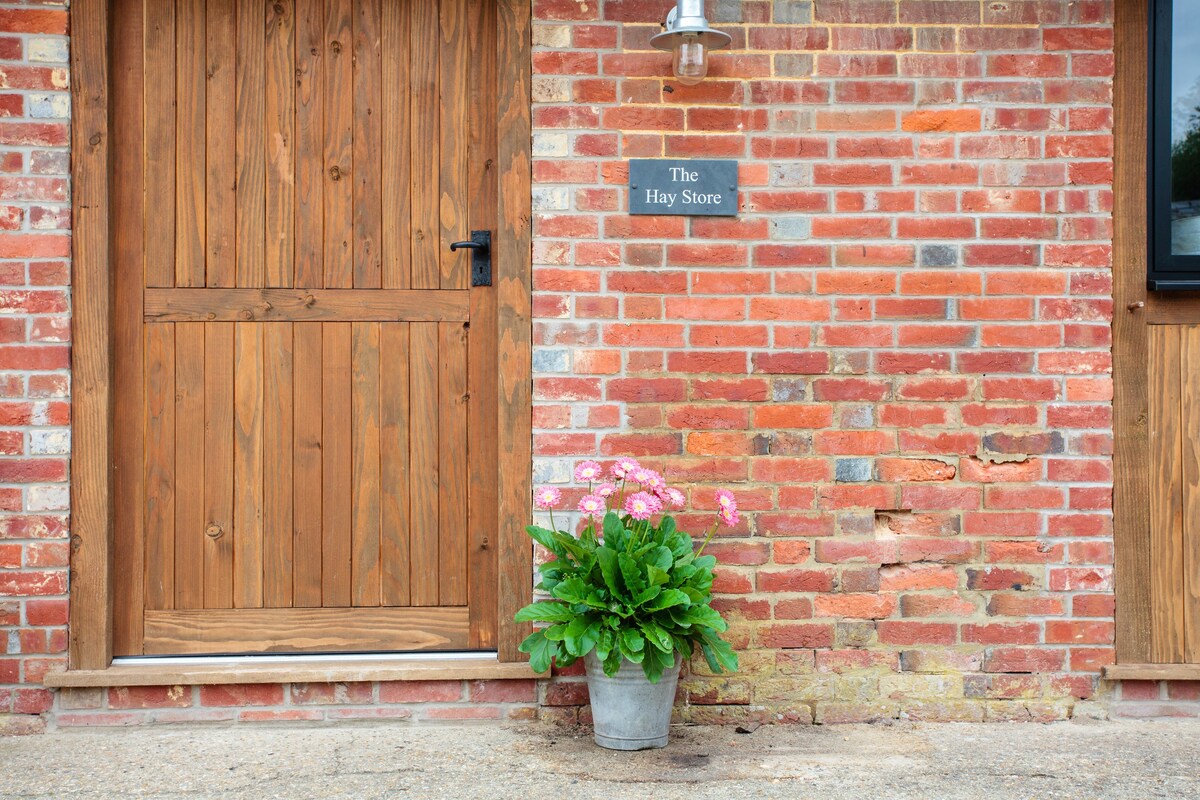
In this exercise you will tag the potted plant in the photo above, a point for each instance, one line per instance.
(630, 596)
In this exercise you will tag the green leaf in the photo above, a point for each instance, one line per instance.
(555, 633)
(541, 651)
(718, 653)
(669, 599)
(608, 568)
(631, 572)
(545, 538)
(606, 643)
(661, 557)
(581, 635)
(615, 535)
(632, 640)
(706, 562)
(657, 576)
(546, 611)
(656, 635)
(705, 616)
(572, 590)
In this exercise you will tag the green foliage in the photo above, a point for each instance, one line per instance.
(641, 593)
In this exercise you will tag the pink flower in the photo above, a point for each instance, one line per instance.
(676, 498)
(647, 477)
(642, 505)
(727, 510)
(588, 471)
(623, 467)
(606, 489)
(547, 497)
(592, 506)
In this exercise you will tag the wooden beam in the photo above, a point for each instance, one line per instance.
(90, 645)
(292, 669)
(299, 305)
(305, 630)
(1131, 488)
(513, 256)
(1152, 672)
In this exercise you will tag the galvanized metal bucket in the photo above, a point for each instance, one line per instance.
(628, 711)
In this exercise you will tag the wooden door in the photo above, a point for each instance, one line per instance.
(304, 377)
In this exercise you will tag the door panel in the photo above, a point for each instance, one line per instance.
(315, 375)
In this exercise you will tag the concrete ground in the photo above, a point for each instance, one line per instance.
(1131, 760)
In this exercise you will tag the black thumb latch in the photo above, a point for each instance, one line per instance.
(481, 256)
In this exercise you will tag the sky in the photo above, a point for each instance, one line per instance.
(1185, 67)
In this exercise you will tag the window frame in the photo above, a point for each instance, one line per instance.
(1166, 271)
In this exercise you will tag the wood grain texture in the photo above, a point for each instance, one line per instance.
(365, 463)
(368, 144)
(453, 469)
(310, 144)
(1189, 436)
(218, 465)
(339, 145)
(248, 465)
(128, 276)
(278, 521)
(1131, 490)
(191, 36)
(397, 237)
(1166, 501)
(335, 471)
(90, 643)
(395, 514)
(308, 462)
(159, 422)
(297, 630)
(189, 465)
(280, 118)
(159, 158)
(513, 256)
(251, 144)
(482, 566)
(424, 114)
(424, 461)
(454, 93)
(220, 119)
(1152, 672)
(296, 305)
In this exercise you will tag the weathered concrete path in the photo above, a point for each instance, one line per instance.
(863, 762)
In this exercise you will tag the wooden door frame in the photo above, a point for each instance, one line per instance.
(1134, 309)
(92, 325)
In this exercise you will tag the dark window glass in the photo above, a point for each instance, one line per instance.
(1175, 149)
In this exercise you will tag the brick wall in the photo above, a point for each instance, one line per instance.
(897, 354)
(34, 333)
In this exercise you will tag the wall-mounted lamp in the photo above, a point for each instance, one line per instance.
(689, 39)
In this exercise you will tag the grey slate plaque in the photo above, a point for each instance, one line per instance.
(702, 187)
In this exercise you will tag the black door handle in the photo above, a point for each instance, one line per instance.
(481, 256)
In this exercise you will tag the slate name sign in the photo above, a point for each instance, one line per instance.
(702, 187)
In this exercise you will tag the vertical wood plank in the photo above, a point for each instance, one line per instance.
(128, 277)
(278, 388)
(365, 484)
(189, 465)
(339, 145)
(190, 145)
(481, 426)
(424, 477)
(159, 422)
(159, 110)
(280, 112)
(397, 244)
(307, 460)
(368, 144)
(218, 465)
(424, 141)
(248, 465)
(394, 465)
(310, 144)
(512, 255)
(452, 474)
(1131, 483)
(1190, 453)
(220, 157)
(335, 444)
(1166, 502)
(454, 141)
(251, 143)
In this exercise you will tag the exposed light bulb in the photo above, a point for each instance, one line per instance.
(690, 61)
